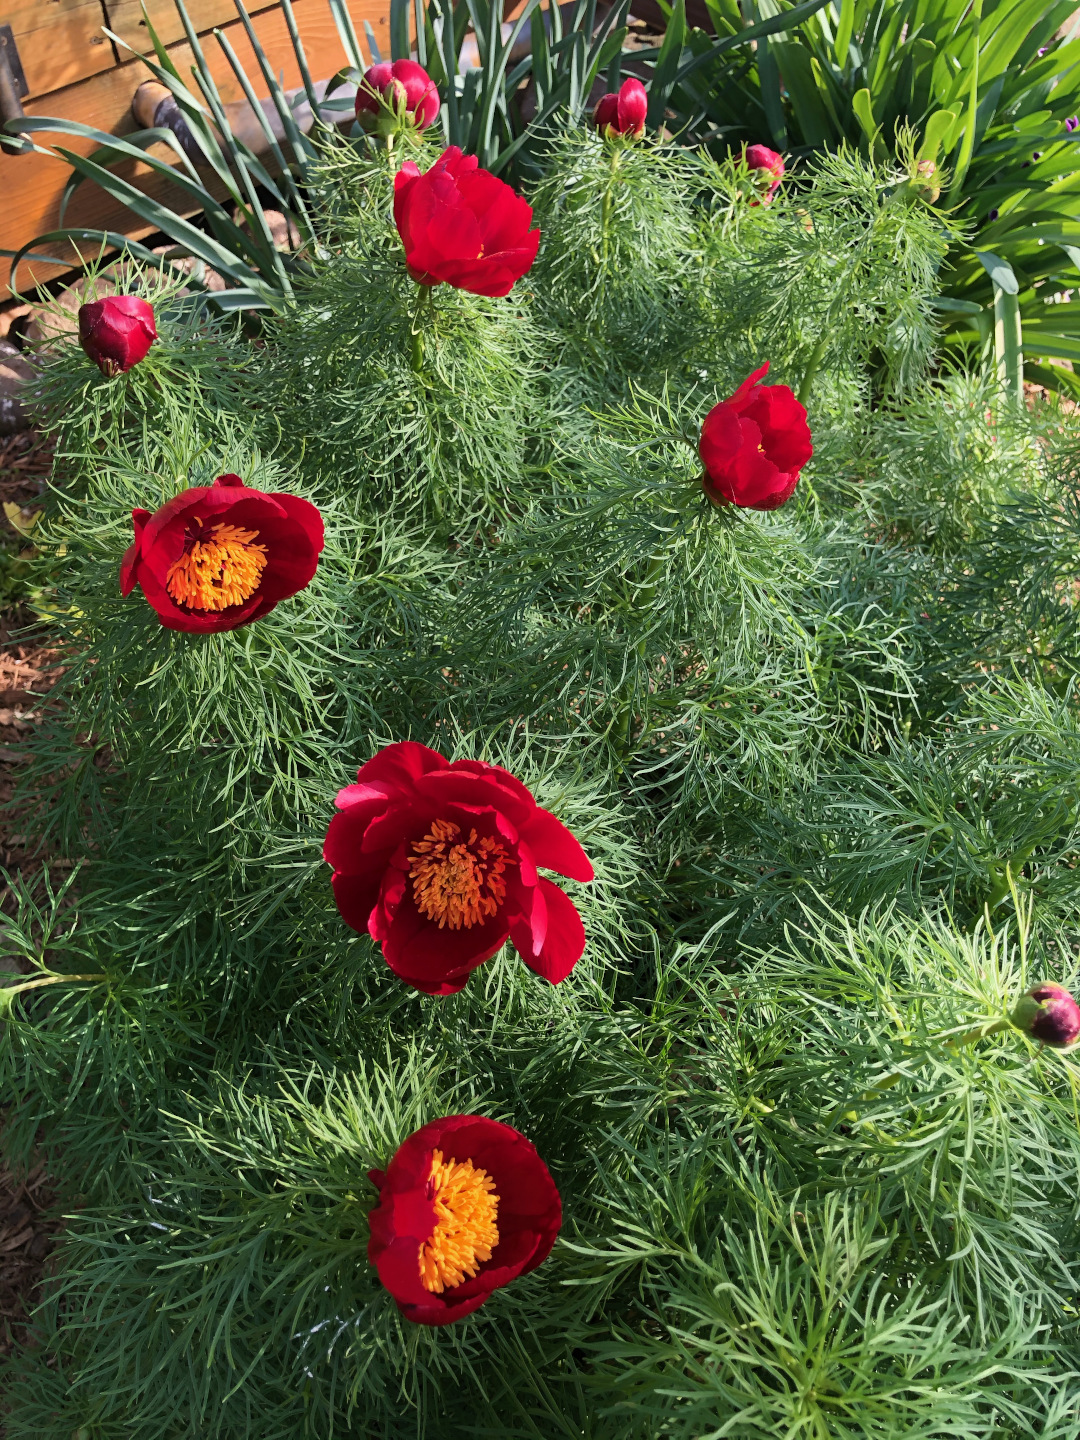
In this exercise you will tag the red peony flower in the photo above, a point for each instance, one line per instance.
(624, 113)
(437, 862)
(754, 446)
(461, 225)
(403, 88)
(117, 332)
(768, 169)
(1050, 1014)
(465, 1206)
(219, 556)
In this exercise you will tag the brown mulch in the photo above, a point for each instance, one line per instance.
(28, 1232)
(27, 667)
(27, 672)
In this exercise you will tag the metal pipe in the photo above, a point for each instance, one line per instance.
(10, 99)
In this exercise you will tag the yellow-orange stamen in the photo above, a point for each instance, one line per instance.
(465, 1233)
(222, 570)
(457, 884)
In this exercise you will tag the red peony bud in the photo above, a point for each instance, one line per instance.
(754, 445)
(117, 332)
(1048, 1013)
(404, 89)
(462, 226)
(768, 169)
(624, 113)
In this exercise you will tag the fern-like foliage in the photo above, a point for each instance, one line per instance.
(822, 759)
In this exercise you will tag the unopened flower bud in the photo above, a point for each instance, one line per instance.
(117, 332)
(1048, 1013)
(767, 170)
(927, 181)
(623, 113)
(397, 94)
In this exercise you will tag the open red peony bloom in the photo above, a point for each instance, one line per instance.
(768, 169)
(219, 556)
(405, 88)
(461, 225)
(624, 113)
(117, 332)
(466, 1205)
(438, 863)
(754, 446)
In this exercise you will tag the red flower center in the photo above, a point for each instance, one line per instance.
(457, 882)
(465, 1213)
(221, 570)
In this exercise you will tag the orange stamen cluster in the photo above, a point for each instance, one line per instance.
(465, 1232)
(222, 570)
(457, 884)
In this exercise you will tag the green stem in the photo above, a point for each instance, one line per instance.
(812, 367)
(416, 328)
(642, 600)
(48, 980)
(1003, 882)
(981, 1032)
(969, 1037)
(605, 208)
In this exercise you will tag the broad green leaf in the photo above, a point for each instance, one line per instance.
(1000, 271)
(938, 132)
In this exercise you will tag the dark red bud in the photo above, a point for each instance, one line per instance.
(1050, 1014)
(117, 332)
(623, 113)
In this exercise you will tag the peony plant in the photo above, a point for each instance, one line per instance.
(773, 1130)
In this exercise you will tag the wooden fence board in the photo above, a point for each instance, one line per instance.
(59, 41)
(31, 184)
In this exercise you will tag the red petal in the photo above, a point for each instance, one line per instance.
(721, 439)
(356, 896)
(785, 435)
(131, 554)
(503, 215)
(554, 847)
(743, 393)
(565, 940)
(400, 765)
(454, 786)
(343, 847)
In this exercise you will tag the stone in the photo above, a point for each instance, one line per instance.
(16, 372)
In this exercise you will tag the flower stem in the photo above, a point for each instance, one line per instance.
(812, 367)
(50, 979)
(969, 1037)
(416, 328)
(641, 601)
(605, 208)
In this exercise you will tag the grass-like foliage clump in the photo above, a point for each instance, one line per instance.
(823, 761)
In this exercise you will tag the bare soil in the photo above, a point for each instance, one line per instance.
(28, 1224)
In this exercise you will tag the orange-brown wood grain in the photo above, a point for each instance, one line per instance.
(31, 185)
(126, 18)
(59, 41)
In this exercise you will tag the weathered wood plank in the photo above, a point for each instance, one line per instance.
(126, 18)
(31, 185)
(59, 41)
